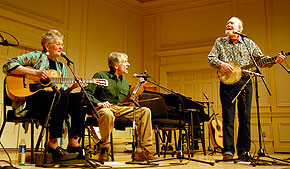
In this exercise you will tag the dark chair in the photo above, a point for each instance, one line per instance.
(120, 124)
(9, 116)
(195, 128)
(195, 116)
(161, 121)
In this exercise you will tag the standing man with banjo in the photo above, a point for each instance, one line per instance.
(230, 55)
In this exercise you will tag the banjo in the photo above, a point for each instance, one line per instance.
(236, 75)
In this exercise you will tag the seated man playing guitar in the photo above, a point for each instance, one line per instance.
(40, 102)
(107, 100)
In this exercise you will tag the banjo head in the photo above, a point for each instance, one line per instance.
(234, 77)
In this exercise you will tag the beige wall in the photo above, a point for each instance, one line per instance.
(178, 38)
(92, 29)
(170, 39)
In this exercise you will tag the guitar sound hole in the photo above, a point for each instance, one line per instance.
(45, 81)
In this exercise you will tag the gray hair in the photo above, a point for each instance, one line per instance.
(115, 58)
(240, 23)
(49, 36)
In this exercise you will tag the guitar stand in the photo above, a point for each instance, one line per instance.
(213, 151)
(213, 115)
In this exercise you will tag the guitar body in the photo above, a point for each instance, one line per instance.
(216, 133)
(19, 87)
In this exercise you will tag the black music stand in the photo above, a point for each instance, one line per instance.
(180, 154)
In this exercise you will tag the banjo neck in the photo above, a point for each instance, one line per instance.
(261, 62)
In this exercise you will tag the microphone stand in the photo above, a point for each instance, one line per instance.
(261, 152)
(82, 154)
(45, 127)
(135, 139)
(180, 155)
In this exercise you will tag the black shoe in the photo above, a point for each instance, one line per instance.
(57, 153)
(244, 155)
(71, 149)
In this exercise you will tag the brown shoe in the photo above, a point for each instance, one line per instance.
(227, 157)
(144, 156)
(104, 154)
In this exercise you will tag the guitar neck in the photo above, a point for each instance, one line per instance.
(71, 80)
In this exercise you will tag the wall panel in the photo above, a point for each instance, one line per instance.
(52, 11)
(105, 33)
(281, 42)
(193, 25)
(149, 45)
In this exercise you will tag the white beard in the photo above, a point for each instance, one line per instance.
(229, 32)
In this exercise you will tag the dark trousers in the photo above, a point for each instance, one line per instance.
(227, 94)
(64, 104)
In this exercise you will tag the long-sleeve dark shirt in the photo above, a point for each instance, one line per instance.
(115, 93)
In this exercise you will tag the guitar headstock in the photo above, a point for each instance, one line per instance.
(285, 54)
(101, 82)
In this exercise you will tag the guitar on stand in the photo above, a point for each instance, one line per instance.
(215, 129)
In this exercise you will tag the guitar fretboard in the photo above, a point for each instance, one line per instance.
(71, 80)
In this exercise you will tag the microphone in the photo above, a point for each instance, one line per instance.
(239, 33)
(67, 59)
(136, 75)
(5, 42)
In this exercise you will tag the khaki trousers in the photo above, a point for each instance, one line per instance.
(143, 123)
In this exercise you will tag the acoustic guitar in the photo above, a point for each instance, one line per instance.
(19, 87)
(215, 129)
(236, 75)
